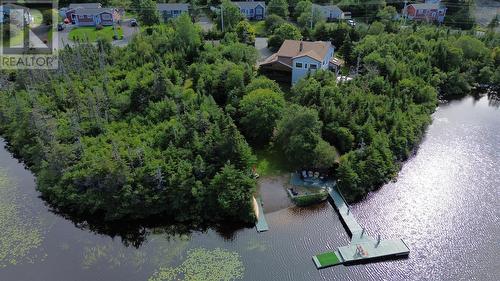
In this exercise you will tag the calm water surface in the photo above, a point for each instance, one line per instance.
(444, 204)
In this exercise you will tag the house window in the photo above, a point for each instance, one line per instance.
(305, 65)
(298, 65)
(313, 66)
(106, 16)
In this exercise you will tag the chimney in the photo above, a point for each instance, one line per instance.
(301, 46)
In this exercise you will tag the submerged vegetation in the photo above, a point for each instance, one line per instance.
(204, 264)
(20, 237)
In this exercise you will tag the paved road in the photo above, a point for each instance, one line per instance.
(486, 10)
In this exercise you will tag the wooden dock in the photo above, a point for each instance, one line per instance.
(261, 224)
(362, 247)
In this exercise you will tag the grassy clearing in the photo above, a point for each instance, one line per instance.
(16, 40)
(271, 163)
(92, 34)
(260, 28)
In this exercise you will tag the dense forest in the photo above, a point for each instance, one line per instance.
(168, 125)
(377, 120)
(138, 131)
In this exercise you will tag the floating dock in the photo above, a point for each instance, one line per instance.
(362, 247)
(261, 224)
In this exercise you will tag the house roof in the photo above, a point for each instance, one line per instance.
(83, 11)
(249, 5)
(173, 6)
(426, 6)
(85, 5)
(332, 8)
(337, 61)
(290, 50)
(6, 7)
(294, 49)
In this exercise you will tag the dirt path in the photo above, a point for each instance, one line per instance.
(273, 193)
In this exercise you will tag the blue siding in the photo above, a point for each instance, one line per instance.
(302, 65)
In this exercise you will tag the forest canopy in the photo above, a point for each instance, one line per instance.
(168, 125)
(139, 131)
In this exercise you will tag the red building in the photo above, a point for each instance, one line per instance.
(432, 11)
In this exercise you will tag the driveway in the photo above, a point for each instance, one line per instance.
(261, 46)
(63, 36)
(205, 22)
(128, 34)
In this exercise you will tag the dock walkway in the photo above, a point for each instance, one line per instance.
(362, 247)
(261, 224)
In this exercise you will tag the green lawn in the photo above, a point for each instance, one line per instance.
(328, 259)
(37, 17)
(260, 28)
(271, 163)
(91, 34)
(14, 41)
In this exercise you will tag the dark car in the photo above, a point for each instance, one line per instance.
(60, 26)
(133, 22)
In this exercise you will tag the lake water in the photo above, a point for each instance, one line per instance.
(444, 204)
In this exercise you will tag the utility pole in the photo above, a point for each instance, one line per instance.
(312, 15)
(357, 66)
(222, 17)
(405, 12)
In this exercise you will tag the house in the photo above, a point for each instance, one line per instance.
(295, 59)
(71, 10)
(329, 12)
(252, 10)
(430, 11)
(172, 10)
(15, 14)
(95, 16)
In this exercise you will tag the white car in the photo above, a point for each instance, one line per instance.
(351, 22)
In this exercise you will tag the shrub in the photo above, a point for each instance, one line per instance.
(310, 199)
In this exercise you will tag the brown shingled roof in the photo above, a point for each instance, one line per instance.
(294, 49)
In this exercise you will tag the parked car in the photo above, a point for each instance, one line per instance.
(133, 22)
(60, 26)
(351, 22)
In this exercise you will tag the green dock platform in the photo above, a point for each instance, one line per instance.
(327, 259)
(261, 224)
(362, 247)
